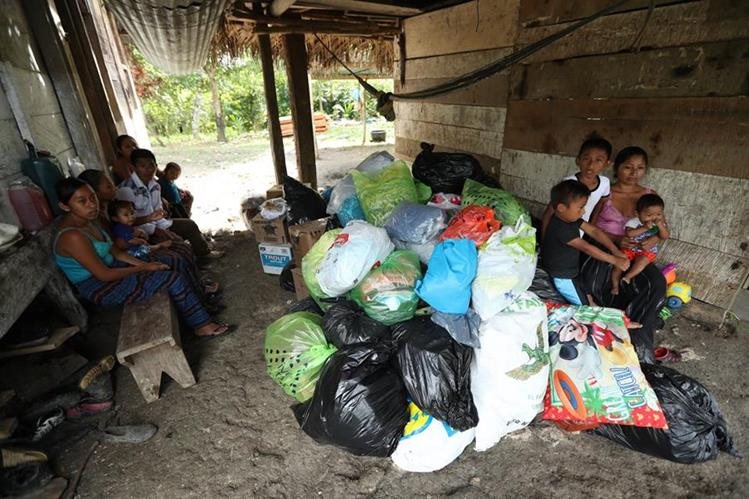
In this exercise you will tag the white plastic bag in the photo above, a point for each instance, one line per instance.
(509, 373)
(273, 209)
(428, 444)
(353, 254)
(506, 268)
(344, 189)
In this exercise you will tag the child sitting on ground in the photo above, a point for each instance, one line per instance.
(180, 200)
(562, 243)
(127, 237)
(649, 223)
(592, 159)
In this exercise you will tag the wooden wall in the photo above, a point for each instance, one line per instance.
(442, 45)
(681, 96)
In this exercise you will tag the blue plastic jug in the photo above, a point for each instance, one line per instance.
(44, 172)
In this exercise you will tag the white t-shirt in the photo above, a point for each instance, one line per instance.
(603, 190)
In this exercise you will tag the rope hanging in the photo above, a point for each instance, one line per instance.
(385, 99)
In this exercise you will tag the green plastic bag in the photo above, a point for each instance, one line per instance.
(311, 262)
(295, 351)
(381, 192)
(507, 208)
(423, 191)
(387, 293)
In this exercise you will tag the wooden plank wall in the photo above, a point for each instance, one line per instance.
(682, 96)
(442, 45)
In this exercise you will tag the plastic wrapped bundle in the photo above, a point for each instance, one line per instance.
(380, 193)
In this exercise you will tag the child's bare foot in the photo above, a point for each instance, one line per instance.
(615, 288)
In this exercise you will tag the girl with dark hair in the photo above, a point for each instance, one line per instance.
(108, 276)
(124, 145)
(643, 297)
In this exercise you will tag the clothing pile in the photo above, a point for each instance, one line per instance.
(429, 327)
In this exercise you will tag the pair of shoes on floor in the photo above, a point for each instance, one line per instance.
(92, 372)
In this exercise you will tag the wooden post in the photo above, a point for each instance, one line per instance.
(271, 104)
(363, 111)
(295, 55)
(91, 79)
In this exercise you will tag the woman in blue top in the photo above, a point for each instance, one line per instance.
(107, 275)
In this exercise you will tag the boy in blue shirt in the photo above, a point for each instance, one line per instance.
(562, 243)
(180, 200)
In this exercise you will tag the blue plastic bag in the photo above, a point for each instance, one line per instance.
(447, 283)
(350, 210)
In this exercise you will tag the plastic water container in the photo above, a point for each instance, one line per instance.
(30, 205)
(44, 172)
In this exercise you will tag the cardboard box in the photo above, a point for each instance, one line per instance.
(270, 231)
(274, 192)
(274, 257)
(299, 287)
(304, 236)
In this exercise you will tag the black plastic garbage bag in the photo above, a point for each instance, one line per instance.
(305, 204)
(286, 279)
(442, 171)
(359, 403)
(542, 287)
(306, 305)
(436, 371)
(345, 324)
(696, 428)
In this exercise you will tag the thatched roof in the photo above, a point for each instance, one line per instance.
(370, 54)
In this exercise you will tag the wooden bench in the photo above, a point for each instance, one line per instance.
(149, 344)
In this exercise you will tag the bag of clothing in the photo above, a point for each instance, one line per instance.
(436, 371)
(428, 444)
(696, 429)
(295, 351)
(464, 328)
(304, 204)
(344, 325)
(506, 267)
(415, 223)
(350, 210)
(360, 403)
(506, 207)
(510, 371)
(387, 293)
(476, 223)
(344, 190)
(423, 250)
(447, 283)
(595, 374)
(381, 192)
(354, 252)
(444, 172)
(311, 264)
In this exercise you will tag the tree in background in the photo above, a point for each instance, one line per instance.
(218, 113)
(227, 99)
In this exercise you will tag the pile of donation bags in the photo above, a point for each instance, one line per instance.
(423, 333)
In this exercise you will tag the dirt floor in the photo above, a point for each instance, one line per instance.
(234, 435)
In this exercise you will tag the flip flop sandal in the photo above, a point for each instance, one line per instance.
(128, 434)
(663, 354)
(223, 328)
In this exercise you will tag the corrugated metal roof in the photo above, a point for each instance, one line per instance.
(173, 35)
